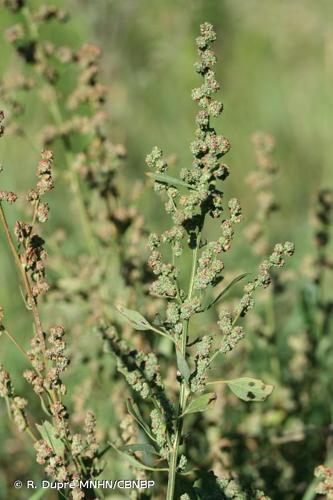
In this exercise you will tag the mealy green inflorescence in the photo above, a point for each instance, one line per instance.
(190, 199)
(193, 197)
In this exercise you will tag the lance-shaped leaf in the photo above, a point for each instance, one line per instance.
(135, 462)
(225, 291)
(134, 318)
(48, 433)
(202, 403)
(170, 181)
(138, 322)
(142, 447)
(134, 411)
(250, 389)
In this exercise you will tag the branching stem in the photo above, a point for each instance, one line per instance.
(183, 395)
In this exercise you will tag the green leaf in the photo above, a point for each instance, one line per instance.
(48, 433)
(250, 389)
(143, 447)
(171, 181)
(225, 290)
(138, 322)
(202, 403)
(135, 462)
(133, 410)
(183, 366)
(134, 318)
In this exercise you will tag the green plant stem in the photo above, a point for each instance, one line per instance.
(163, 334)
(75, 181)
(19, 347)
(183, 395)
(31, 434)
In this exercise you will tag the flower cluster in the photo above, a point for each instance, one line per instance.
(8, 196)
(325, 486)
(202, 362)
(59, 362)
(6, 388)
(17, 404)
(191, 198)
(33, 254)
(54, 464)
(263, 278)
(233, 333)
(141, 370)
(160, 431)
(50, 382)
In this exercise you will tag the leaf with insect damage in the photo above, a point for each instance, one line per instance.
(250, 389)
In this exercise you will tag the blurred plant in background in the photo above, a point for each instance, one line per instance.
(109, 232)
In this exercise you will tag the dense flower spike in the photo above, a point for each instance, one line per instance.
(202, 196)
(33, 254)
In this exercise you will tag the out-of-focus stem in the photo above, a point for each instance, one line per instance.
(57, 116)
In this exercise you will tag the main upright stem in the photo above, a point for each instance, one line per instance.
(183, 395)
